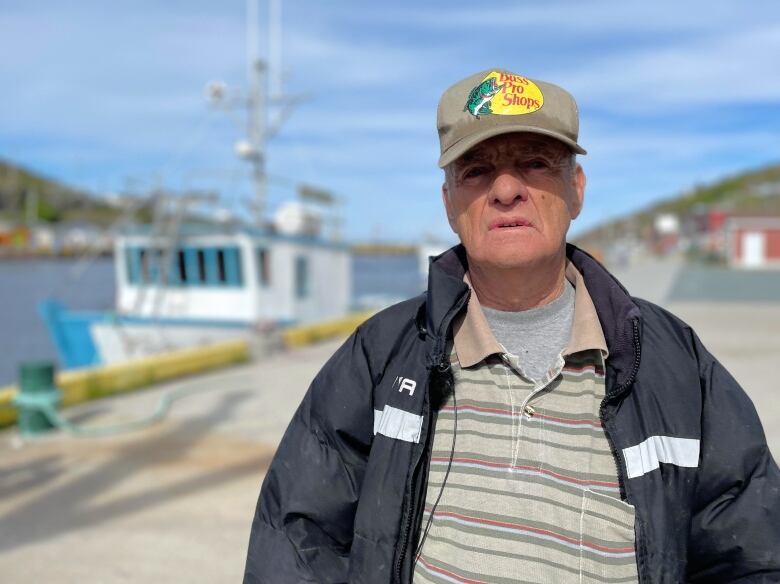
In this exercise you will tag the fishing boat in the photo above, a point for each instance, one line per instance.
(180, 285)
(212, 285)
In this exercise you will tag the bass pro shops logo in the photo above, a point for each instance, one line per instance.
(479, 98)
(504, 94)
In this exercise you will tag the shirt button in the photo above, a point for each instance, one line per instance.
(529, 411)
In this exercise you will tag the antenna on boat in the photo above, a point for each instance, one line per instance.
(275, 47)
(258, 100)
(253, 149)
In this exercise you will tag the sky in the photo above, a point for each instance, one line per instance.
(110, 97)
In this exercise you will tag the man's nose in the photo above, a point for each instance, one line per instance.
(508, 187)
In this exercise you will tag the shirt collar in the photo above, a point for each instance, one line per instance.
(474, 341)
(586, 332)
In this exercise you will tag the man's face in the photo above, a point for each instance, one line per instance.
(512, 197)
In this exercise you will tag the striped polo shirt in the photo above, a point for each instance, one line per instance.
(532, 493)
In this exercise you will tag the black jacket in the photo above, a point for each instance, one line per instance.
(343, 504)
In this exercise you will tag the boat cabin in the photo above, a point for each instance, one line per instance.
(251, 275)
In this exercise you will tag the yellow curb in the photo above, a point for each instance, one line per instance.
(95, 382)
(299, 336)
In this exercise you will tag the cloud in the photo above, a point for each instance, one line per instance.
(592, 18)
(681, 146)
(347, 66)
(323, 122)
(91, 71)
(735, 69)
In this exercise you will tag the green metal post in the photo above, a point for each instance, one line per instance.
(36, 394)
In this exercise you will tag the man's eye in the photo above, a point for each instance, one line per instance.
(474, 172)
(537, 164)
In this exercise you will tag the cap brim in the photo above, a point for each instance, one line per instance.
(462, 146)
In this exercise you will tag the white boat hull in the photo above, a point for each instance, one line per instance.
(122, 342)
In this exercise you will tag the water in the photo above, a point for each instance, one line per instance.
(24, 283)
(385, 277)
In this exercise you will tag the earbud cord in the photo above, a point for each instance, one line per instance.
(446, 475)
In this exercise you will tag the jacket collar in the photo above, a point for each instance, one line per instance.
(446, 288)
(616, 309)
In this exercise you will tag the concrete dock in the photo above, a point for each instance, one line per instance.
(174, 503)
(169, 504)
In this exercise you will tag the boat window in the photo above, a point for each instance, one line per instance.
(188, 266)
(233, 266)
(221, 266)
(160, 273)
(201, 265)
(181, 266)
(133, 264)
(147, 265)
(264, 267)
(144, 262)
(192, 266)
(212, 273)
(301, 277)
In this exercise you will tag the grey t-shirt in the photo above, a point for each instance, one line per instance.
(537, 336)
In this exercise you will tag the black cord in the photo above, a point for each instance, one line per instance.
(444, 482)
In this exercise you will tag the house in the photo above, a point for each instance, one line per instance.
(753, 239)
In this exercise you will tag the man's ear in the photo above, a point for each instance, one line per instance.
(579, 181)
(445, 197)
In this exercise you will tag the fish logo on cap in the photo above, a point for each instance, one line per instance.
(504, 94)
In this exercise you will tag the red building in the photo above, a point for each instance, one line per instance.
(753, 241)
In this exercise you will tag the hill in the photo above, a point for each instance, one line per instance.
(753, 190)
(20, 187)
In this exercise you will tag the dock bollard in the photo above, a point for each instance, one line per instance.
(36, 394)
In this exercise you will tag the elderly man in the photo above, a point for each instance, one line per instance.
(525, 420)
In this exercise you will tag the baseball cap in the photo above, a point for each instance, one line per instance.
(495, 102)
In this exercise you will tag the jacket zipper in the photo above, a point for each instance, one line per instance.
(437, 367)
(602, 413)
(407, 526)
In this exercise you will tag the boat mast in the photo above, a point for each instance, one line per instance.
(275, 48)
(259, 128)
(256, 132)
(260, 73)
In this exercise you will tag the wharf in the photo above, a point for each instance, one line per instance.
(169, 504)
(174, 503)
